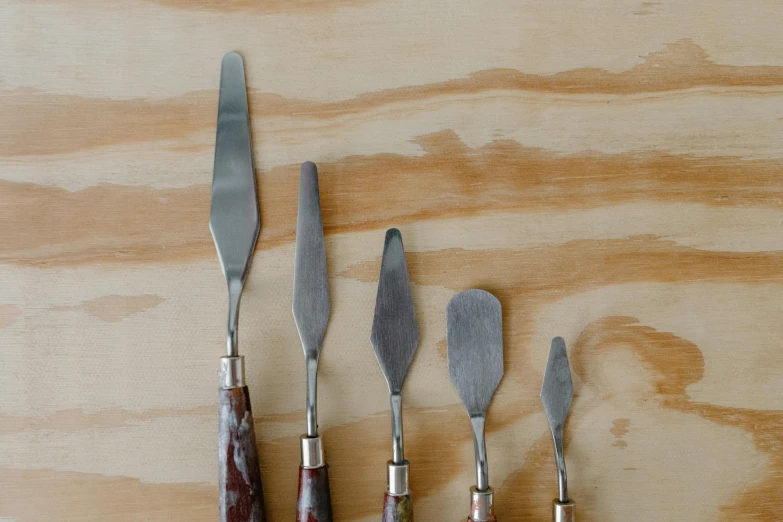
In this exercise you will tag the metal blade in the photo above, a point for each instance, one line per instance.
(475, 341)
(395, 332)
(311, 305)
(557, 390)
(234, 218)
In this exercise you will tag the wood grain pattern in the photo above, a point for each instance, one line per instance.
(613, 173)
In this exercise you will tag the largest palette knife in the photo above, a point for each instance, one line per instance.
(311, 307)
(235, 223)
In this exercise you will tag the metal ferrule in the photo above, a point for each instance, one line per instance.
(232, 372)
(563, 511)
(397, 478)
(481, 505)
(312, 452)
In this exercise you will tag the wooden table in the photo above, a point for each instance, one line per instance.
(613, 172)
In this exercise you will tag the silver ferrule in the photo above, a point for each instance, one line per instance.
(312, 452)
(397, 478)
(232, 372)
(481, 505)
(563, 511)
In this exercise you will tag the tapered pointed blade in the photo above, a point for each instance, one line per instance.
(474, 326)
(234, 218)
(395, 332)
(557, 390)
(311, 305)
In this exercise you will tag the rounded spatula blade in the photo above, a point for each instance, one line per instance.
(475, 345)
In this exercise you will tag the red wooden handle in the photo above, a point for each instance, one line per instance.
(315, 501)
(397, 508)
(241, 496)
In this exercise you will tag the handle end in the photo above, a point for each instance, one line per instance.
(397, 508)
(563, 511)
(241, 495)
(315, 501)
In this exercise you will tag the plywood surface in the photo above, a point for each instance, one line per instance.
(612, 171)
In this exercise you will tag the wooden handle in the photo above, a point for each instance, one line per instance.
(397, 508)
(315, 501)
(241, 497)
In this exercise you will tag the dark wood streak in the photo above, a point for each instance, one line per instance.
(50, 226)
(41, 123)
(315, 502)
(675, 364)
(239, 486)
(397, 508)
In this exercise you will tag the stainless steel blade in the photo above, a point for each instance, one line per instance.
(395, 332)
(556, 394)
(311, 305)
(474, 333)
(475, 346)
(234, 217)
(557, 389)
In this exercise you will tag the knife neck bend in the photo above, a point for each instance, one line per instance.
(398, 456)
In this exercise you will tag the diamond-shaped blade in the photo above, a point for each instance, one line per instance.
(475, 343)
(311, 305)
(557, 390)
(234, 217)
(395, 332)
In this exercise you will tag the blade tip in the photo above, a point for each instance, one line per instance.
(231, 58)
(309, 192)
(308, 168)
(393, 253)
(558, 351)
(393, 233)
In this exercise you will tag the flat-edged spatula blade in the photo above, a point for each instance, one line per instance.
(475, 346)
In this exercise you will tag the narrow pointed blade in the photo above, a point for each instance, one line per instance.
(395, 332)
(234, 218)
(557, 390)
(311, 285)
(474, 327)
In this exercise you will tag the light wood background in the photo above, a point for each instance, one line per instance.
(612, 171)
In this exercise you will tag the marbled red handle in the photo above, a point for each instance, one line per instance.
(241, 496)
(397, 508)
(315, 501)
